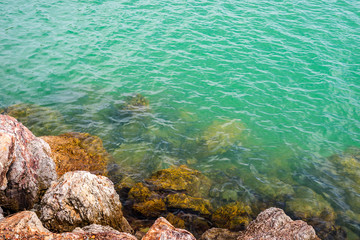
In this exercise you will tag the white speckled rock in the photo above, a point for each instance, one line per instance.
(163, 230)
(274, 224)
(80, 198)
(26, 168)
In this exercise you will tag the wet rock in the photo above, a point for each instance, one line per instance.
(136, 102)
(23, 222)
(273, 223)
(307, 204)
(234, 216)
(181, 178)
(348, 163)
(78, 151)
(26, 168)
(221, 135)
(176, 221)
(183, 201)
(40, 120)
(219, 234)
(80, 198)
(150, 208)
(162, 229)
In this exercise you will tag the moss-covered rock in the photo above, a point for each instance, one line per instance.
(150, 208)
(136, 102)
(40, 120)
(183, 201)
(78, 151)
(221, 135)
(234, 216)
(307, 204)
(176, 221)
(139, 193)
(181, 178)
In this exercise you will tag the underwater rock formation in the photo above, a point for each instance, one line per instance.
(274, 224)
(221, 135)
(162, 229)
(26, 168)
(183, 201)
(234, 216)
(78, 151)
(80, 198)
(150, 208)
(136, 102)
(175, 221)
(40, 120)
(181, 178)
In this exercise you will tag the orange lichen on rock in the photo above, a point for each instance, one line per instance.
(78, 151)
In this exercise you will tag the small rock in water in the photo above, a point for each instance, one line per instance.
(274, 224)
(80, 198)
(26, 168)
(163, 230)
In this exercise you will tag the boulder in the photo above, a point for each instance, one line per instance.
(273, 224)
(219, 234)
(78, 151)
(163, 230)
(183, 179)
(80, 198)
(234, 216)
(26, 168)
(23, 222)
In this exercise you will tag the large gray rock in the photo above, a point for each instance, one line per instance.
(26, 169)
(163, 230)
(80, 198)
(273, 224)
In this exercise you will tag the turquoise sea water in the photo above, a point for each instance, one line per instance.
(289, 71)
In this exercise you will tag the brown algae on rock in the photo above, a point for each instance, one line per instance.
(183, 201)
(150, 208)
(78, 151)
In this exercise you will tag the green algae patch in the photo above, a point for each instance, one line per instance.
(234, 216)
(78, 151)
(183, 201)
(181, 178)
(40, 120)
(150, 208)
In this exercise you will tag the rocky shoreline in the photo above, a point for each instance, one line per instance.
(37, 204)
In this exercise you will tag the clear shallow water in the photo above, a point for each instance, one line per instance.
(288, 70)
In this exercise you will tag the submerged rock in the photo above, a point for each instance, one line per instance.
(163, 230)
(139, 192)
(150, 208)
(307, 204)
(219, 234)
(274, 224)
(181, 178)
(136, 102)
(26, 168)
(78, 151)
(234, 216)
(221, 135)
(80, 198)
(183, 201)
(40, 120)
(176, 221)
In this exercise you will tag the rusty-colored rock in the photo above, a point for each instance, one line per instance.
(26, 168)
(23, 222)
(80, 198)
(78, 151)
(273, 224)
(163, 230)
